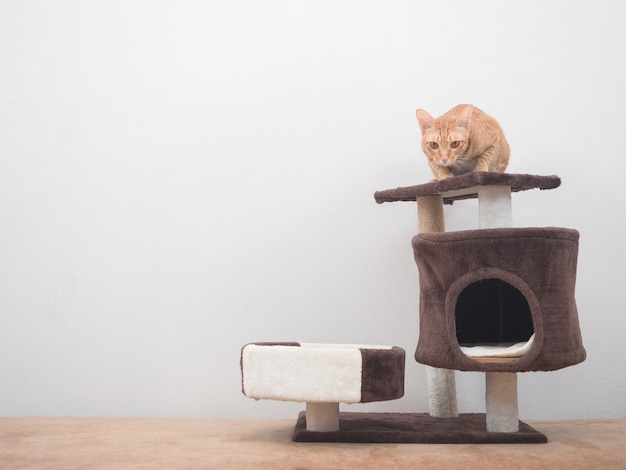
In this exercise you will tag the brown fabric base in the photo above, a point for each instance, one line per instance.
(415, 428)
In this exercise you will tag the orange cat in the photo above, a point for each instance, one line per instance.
(464, 139)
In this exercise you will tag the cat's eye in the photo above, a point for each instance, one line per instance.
(433, 145)
(455, 144)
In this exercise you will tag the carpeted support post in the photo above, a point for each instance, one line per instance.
(322, 417)
(501, 402)
(494, 209)
(441, 382)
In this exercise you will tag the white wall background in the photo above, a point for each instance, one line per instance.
(180, 178)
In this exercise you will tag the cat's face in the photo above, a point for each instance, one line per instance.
(444, 146)
(445, 139)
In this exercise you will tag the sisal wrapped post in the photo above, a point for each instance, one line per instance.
(430, 214)
(441, 382)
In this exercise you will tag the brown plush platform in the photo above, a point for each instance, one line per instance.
(414, 428)
(464, 186)
(174, 444)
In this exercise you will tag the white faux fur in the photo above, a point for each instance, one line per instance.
(309, 373)
(344, 346)
(498, 350)
(501, 402)
(494, 206)
(442, 393)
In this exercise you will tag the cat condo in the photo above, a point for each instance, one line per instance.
(498, 300)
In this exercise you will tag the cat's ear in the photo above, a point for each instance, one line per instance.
(426, 120)
(465, 118)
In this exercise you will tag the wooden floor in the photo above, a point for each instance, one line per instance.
(155, 443)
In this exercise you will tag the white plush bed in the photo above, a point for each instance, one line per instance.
(322, 375)
(500, 350)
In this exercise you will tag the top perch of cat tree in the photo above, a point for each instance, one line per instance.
(466, 186)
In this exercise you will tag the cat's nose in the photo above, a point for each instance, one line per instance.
(444, 159)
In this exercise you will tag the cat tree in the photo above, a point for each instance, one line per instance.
(498, 300)
(506, 293)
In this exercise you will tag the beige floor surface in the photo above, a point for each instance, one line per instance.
(155, 443)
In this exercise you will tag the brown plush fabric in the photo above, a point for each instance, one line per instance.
(406, 428)
(540, 263)
(517, 182)
(382, 374)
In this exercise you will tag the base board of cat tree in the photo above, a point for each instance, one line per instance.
(415, 428)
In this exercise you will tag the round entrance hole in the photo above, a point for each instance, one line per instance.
(492, 311)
